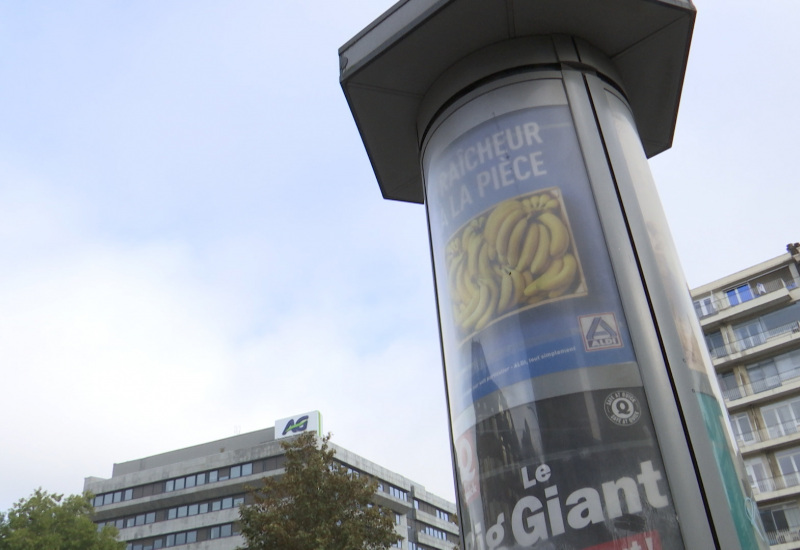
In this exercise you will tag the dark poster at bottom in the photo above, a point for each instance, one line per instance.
(574, 472)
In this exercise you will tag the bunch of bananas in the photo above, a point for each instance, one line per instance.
(517, 254)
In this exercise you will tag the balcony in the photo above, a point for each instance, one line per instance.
(746, 394)
(755, 343)
(780, 486)
(776, 434)
(783, 536)
(750, 296)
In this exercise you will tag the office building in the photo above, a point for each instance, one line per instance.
(751, 323)
(189, 498)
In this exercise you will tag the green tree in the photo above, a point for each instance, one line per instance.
(316, 505)
(51, 522)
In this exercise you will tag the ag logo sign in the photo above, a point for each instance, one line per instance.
(296, 427)
(299, 423)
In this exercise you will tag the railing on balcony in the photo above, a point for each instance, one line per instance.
(775, 431)
(783, 536)
(706, 307)
(768, 383)
(753, 340)
(776, 483)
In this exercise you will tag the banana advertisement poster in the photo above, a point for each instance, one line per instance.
(555, 447)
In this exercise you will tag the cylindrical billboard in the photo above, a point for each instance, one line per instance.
(554, 440)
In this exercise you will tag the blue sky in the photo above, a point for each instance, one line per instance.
(192, 242)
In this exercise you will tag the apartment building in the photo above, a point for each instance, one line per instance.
(751, 323)
(189, 498)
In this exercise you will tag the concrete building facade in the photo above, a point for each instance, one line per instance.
(189, 498)
(751, 323)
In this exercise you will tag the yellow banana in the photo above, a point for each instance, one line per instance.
(541, 199)
(542, 255)
(519, 287)
(484, 268)
(452, 273)
(464, 292)
(484, 300)
(529, 246)
(468, 310)
(506, 292)
(552, 204)
(550, 273)
(559, 235)
(491, 306)
(503, 234)
(496, 217)
(515, 241)
(473, 252)
(552, 280)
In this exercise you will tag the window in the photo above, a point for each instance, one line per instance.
(749, 334)
(739, 294)
(782, 418)
(758, 474)
(247, 469)
(789, 463)
(716, 345)
(763, 376)
(742, 428)
(780, 518)
(236, 471)
(704, 307)
(398, 493)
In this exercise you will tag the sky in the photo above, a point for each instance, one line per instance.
(193, 243)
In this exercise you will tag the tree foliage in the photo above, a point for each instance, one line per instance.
(52, 522)
(316, 505)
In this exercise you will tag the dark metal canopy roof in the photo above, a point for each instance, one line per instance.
(388, 67)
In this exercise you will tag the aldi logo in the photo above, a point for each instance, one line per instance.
(600, 332)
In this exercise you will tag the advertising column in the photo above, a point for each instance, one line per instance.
(553, 435)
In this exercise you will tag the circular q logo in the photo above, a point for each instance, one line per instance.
(622, 408)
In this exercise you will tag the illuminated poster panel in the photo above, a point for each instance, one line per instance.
(554, 441)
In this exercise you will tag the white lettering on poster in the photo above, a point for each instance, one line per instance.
(491, 163)
(533, 520)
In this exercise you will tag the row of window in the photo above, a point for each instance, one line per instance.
(393, 491)
(193, 480)
(431, 509)
(205, 507)
(433, 532)
(763, 376)
(745, 292)
(177, 512)
(185, 537)
(755, 332)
